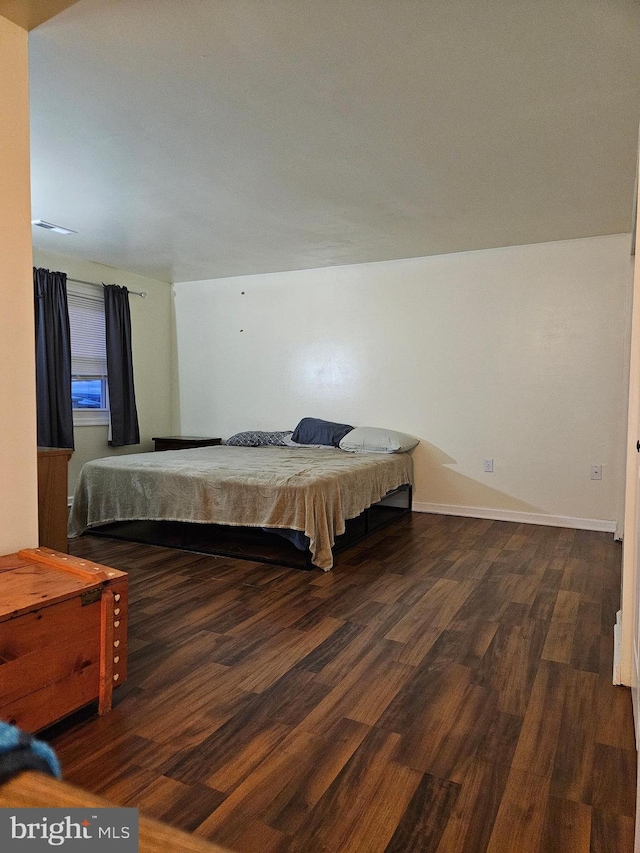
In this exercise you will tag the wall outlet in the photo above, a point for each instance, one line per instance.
(487, 466)
(596, 472)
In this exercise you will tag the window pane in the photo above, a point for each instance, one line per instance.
(87, 393)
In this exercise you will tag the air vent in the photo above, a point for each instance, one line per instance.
(49, 226)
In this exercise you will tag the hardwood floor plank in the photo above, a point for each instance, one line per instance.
(611, 833)
(612, 765)
(614, 710)
(265, 666)
(358, 699)
(481, 636)
(183, 806)
(252, 797)
(538, 741)
(573, 762)
(583, 575)
(433, 693)
(425, 818)
(391, 588)
(437, 607)
(362, 808)
(128, 784)
(317, 771)
(500, 738)
(156, 718)
(179, 659)
(245, 759)
(263, 719)
(559, 641)
(350, 656)
(567, 827)
(511, 662)
(545, 600)
(260, 838)
(327, 651)
(471, 821)
(558, 645)
(585, 653)
(446, 734)
(418, 647)
(462, 643)
(520, 822)
(488, 599)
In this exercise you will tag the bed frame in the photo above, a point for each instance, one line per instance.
(253, 543)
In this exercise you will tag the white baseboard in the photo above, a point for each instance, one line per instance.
(617, 648)
(599, 524)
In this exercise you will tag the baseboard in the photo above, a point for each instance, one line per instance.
(598, 524)
(617, 648)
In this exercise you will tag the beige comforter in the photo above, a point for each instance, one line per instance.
(309, 489)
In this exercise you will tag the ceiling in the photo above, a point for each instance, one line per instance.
(210, 138)
(31, 13)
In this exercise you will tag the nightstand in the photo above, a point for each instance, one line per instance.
(182, 442)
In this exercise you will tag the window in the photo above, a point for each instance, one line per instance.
(89, 391)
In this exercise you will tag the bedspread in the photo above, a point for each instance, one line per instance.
(312, 490)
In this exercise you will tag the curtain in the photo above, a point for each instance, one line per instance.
(53, 359)
(122, 398)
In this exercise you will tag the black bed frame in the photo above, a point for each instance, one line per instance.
(253, 543)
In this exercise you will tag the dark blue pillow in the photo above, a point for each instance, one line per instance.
(315, 431)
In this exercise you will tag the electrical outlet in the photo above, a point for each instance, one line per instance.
(487, 466)
(596, 472)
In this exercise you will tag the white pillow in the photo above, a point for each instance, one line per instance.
(376, 440)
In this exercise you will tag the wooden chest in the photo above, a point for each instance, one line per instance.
(63, 636)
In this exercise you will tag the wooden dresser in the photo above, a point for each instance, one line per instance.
(63, 636)
(52, 496)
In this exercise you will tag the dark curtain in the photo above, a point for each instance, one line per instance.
(53, 359)
(122, 398)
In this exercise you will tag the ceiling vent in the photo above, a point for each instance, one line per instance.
(49, 226)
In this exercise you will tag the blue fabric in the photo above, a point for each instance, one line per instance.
(316, 431)
(297, 537)
(20, 751)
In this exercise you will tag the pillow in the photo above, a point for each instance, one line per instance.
(375, 440)
(256, 438)
(315, 431)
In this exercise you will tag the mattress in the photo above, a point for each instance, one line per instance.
(313, 490)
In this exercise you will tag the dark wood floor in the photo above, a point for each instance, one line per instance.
(446, 688)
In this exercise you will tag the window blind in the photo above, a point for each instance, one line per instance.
(86, 319)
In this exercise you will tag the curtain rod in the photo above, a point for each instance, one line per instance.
(141, 293)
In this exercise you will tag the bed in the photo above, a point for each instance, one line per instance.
(314, 490)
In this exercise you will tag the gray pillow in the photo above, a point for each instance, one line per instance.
(376, 440)
(257, 438)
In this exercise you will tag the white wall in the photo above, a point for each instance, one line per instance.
(514, 354)
(151, 332)
(18, 484)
